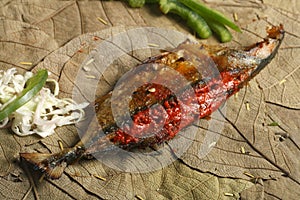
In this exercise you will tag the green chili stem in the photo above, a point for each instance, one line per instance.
(208, 13)
(194, 20)
(33, 86)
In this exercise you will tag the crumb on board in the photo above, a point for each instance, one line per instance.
(90, 76)
(102, 20)
(153, 45)
(243, 150)
(228, 194)
(99, 177)
(249, 175)
(139, 197)
(86, 68)
(26, 63)
(235, 17)
(60, 144)
(247, 106)
(89, 61)
(282, 81)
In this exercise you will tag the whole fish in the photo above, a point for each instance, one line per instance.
(162, 107)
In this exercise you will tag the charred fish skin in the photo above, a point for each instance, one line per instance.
(235, 68)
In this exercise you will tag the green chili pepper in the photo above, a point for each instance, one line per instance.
(220, 30)
(32, 87)
(208, 13)
(194, 20)
(199, 17)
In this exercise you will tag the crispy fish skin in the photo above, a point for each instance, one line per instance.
(176, 110)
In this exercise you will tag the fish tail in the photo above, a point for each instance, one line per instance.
(53, 165)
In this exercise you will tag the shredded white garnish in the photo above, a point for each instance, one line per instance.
(42, 114)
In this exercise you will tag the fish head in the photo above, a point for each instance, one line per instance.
(265, 51)
(247, 61)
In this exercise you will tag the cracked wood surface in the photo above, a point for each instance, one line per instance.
(58, 35)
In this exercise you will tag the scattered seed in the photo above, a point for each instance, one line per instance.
(249, 175)
(243, 150)
(99, 177)
(90, 76)
(285, 135)
(60, 144)
(281, 136)
(282, 81)
(247, 106)
(89, 61)
(102, 20)
(235, 17)
(153, 45)
(152, 90)
(228, 194)
(212, 144)
(26, 63)
(139, 197)
(86, 68)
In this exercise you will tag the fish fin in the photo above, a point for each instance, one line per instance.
(53, 164)
(57, 171)
(43, 162)
(35, 158)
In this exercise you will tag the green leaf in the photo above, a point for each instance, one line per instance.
(273, 124)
